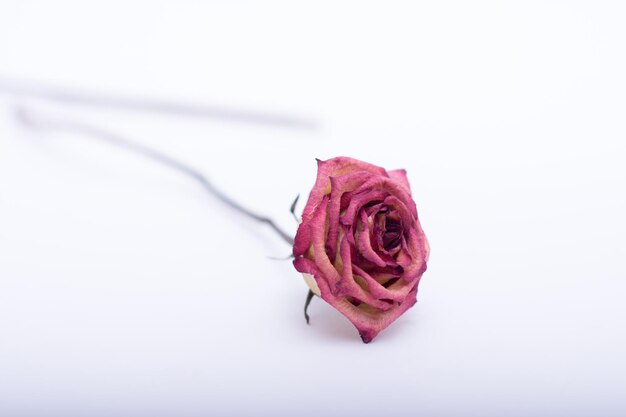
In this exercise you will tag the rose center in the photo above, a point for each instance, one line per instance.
(392, 236)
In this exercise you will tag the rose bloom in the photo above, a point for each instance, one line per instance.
(360, 245)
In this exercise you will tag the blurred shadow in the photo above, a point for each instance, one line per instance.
(22, 88)
(329, 323)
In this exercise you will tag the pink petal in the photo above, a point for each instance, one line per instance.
(339, 186)
(365, 245)
(399, 175)
(349, 287)
(368, 321)
(333, 168)
(358, 201)
(318, 232)
(397, 292)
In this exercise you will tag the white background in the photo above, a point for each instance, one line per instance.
(126, 290)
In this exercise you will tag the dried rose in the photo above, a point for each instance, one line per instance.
(360, 245)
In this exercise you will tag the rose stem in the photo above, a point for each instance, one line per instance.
(26, 118)
(309, 297)
(76, 97)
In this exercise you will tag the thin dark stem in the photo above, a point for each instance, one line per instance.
(27, 118)
(23, 88)
(309, 297)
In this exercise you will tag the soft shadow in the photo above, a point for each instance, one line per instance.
(64, 95)
(330, 324)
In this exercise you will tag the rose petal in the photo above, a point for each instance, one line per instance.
(358, 201)
(390, 187)
(397, 293)
(399, 175)
(339, 186)
(418, 247)
(368, 321)
(333, 168)
(349, 287)
(364, 244)
(318, 229)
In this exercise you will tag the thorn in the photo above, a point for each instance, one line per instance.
(292, 209)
